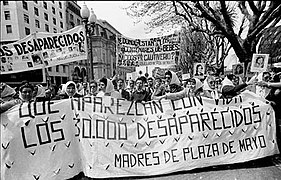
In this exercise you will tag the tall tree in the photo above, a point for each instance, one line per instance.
(242, 31)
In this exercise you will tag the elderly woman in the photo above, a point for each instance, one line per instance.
(229, 89)
(69, 90)
(209, 88)
(106, 88)
(172, 82)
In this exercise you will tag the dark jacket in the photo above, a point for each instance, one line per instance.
(125, 94)
(140, 96)
(231, 91)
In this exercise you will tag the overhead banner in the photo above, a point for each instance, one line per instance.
(43, 49)
(107, 137)
(144, 52)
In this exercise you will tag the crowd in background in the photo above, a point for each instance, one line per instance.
(143, 89)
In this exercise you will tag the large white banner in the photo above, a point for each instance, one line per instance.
(162, 50)
(43, 49)
(106, 137)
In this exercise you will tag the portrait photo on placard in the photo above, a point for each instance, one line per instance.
(199, 69)
(259, 62)
(36, 58)
(238, 69)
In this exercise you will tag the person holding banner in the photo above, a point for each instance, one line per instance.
(140, 94)
(193, 90)
(120, 88)
(69, 90)
(159, 88)
(209, 88)
(93, 88)
(230, 90)
(172, 82)
(131, 87)
(26, 92)
(106, 88)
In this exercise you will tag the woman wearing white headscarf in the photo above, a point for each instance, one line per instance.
(229, 90)
(173, 83)
(69, 90)
(106, 88)
(209, 88)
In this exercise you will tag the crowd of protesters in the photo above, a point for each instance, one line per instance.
(143, 89)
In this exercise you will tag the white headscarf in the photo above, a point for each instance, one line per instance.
(226, 82)
(64, 87)
(109, 89)
(206, 87)
(175, 79)
(198, 83)
(40, 91)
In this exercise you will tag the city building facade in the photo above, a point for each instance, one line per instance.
(21, 18)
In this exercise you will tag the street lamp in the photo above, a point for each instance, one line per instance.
(90, 17)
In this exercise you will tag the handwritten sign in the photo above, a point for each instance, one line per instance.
(44, 49)
(57, 140)
(143, 52)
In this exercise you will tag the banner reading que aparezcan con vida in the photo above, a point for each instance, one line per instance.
(43, 49)
(107, 137)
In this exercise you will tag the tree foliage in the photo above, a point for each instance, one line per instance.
(241, 23)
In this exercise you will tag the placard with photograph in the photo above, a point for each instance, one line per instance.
(238, 69)
(259, 62)
(199, 69)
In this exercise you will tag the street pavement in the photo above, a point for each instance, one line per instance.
(268, 168)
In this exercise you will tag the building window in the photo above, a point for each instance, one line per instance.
(9, 29)
(24, 5)
(27, 31)
(60, 14)
(55, 30)
(7, 15)
(64, 69)
(47, 28)
(45, 5)
(71, 17)
(46, 16)
(54, 21)
(49, 68)
(26, 18)
(36, 12)
(53, 10)
(5, 3)
(57, 68)
(60, 5)
(37, 23)
(61, 24)
(72, 24)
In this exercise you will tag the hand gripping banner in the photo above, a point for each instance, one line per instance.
(107, 137)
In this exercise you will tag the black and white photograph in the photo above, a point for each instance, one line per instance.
(140, 90)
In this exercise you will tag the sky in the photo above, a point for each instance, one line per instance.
(112, 12)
